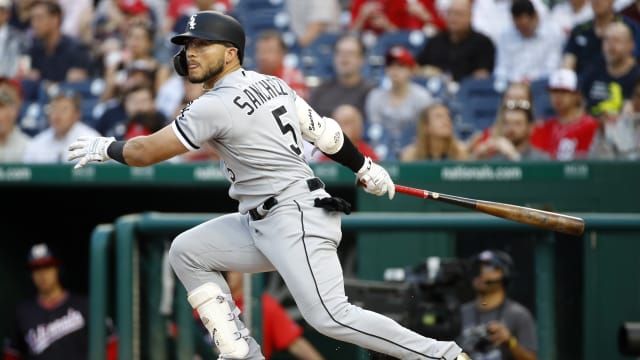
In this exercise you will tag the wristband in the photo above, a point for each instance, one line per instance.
(513, 342)
(348, 155)
(116, 151)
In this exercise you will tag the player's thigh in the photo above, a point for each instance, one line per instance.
(221, 244)
(301, 242)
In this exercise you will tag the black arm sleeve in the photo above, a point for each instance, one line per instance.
(116, 151)
(348, 155)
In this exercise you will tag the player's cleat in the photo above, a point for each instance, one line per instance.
(463, 356)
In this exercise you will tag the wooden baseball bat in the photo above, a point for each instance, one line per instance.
(543, 219)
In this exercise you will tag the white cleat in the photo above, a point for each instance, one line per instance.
(463, 356)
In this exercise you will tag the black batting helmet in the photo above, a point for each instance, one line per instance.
(215, 26)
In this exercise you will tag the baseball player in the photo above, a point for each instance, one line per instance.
(286, 220)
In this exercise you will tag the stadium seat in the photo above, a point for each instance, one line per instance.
(542, 108)
(317, 58)
(477, 102)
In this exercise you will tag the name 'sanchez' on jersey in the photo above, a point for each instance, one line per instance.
(258, 93)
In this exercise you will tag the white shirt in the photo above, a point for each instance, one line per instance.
(46, 148)
(493, 17)
(566, 18)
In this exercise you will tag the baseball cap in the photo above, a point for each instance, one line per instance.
(497, 259)
(401, 55)
(563, 79)
(41, 255)
(132, 7)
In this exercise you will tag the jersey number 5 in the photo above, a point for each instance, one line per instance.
(285, 128)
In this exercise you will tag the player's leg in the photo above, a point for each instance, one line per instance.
(197, 256)
(302, 245)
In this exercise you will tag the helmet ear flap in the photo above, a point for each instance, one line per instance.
(180, 63)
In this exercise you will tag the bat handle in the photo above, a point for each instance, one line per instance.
(412, 191)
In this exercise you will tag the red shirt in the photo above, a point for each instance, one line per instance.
(565, 141)
(278, 329)
(397, 13)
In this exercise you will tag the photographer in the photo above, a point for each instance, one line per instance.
(495, 327)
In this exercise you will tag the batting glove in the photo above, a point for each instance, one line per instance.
(90, 149)
(375, 179)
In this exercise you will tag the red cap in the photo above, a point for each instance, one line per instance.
(401, 55)
(14, 83)
(40, 255)
(133, 7)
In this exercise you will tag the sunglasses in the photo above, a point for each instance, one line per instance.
(517, 105)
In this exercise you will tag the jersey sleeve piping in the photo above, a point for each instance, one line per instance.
(183, 137)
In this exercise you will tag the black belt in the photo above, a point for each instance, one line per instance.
(261, 211)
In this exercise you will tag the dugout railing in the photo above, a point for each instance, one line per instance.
(115, 249)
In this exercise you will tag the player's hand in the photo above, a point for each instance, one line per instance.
(90, 149)
(375, 179)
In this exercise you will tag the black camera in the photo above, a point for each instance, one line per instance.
(476, 338)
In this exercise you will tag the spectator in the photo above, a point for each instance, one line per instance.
(349, 86)
(270, 52)
(493, 17)
(12, 43)
(115, 121)
(392, 109)
(179, 11)
(136, 54)
(65, 126)
(569, 13)
(569, 134)
(631, 10)
(512, 144)
(516, 92)
(495, 326)
(459, 51)
(13, 141)
(584, 46)
(311, 18)
(279, 331)
(379, 16)
(54, 325)
(77, 19)
(435, 138)
(531, 49)
(352, 124)
(608, 84)
(620, 139)
(19, 18)
(55, 57)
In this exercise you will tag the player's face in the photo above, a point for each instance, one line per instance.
(45, 279)
(205, 60)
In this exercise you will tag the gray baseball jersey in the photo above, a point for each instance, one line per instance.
(251, 121)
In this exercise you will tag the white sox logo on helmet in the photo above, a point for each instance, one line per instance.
(192, 22)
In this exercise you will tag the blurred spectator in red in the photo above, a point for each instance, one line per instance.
(349, 86)
(55, 57)
(607, 85)
(512, 144)
(381, 16)
(13, 141)
(311, 18)
(64, 117)
(12, 42)
(569, 134)
(179, 11)
(516, 92)
(352, 124)
(459, 51)
(137, 53)
(435, 138)
(270, 55)
(392, 108)
(531, 49)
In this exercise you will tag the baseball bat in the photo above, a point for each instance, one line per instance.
(543, 219)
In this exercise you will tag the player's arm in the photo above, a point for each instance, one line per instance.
(139, 151)
(325, 134)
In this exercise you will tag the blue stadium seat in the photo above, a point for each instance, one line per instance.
(541, 101)
(477, 102)
(317, 57)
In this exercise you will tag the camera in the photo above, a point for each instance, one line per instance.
(476, 338)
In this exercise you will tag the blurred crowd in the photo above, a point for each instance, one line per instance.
(409, 80)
